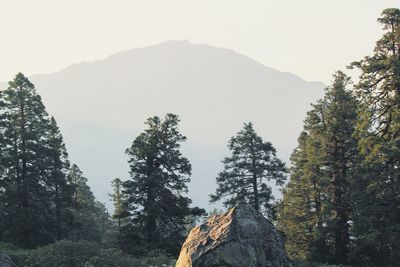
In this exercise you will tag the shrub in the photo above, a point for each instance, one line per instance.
(314, 264)
(157, 258)
(21, 257)
(63, 253)
(112, 257)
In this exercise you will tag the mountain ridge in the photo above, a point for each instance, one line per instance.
(101, 106)
(110, 56)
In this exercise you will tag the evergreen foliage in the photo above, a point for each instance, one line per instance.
(317, 206)
(159, 175)
(91, 220)
(33, 163)
(376, 190)
(119, 200)
(43, 199)
(248, 170)
(342, 202)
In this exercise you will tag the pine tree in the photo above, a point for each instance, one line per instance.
(60, 191)
(119, 200)
(299, 213)
(159, 175)
(317, 206)
(377, 217)
(23, 161)
(33, 188)
(248, 170)
(3, 153)
(83, 208)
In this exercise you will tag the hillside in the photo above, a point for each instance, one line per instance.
(101, 106)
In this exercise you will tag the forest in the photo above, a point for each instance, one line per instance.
(340, 203)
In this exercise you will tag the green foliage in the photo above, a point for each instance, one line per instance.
(359, 182)
(158, 209)
(42, 199)
(63, 253)
(316, 207)
(112, 258)
(60, 190)
(66, 253)
(248, 170)
(376, 189)
(22, 257)
(119, 200)
(7, 246)
(19, 256)
(314, 264)
(157, 258)
(90, 218)
(34, 192)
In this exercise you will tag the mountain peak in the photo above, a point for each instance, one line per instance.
(213, 90)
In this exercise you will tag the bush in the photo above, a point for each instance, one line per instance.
(157, 258)
(7, 246)
(21, 257)
(314, 264)
(66, 253)
(112, 257)
(63, 253)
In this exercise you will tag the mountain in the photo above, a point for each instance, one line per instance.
(101, 107)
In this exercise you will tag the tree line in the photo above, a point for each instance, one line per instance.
(341, 204)
(43, 198)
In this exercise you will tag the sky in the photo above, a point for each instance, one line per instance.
(310, 38)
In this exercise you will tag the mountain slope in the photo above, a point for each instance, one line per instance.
(101, 106)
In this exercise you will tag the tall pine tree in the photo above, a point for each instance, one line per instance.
(299, 213)
(377, 215)
(246, 173)
(32, 162)
(60, 191)
(317, 205)
(155, 193)
(119, 200)
(84, 208)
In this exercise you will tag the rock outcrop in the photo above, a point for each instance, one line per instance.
(5, 260)
(239, 238)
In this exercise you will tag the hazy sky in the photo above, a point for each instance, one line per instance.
(311, 38)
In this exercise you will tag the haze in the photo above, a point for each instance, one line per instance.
(241, 62)
(311, 38)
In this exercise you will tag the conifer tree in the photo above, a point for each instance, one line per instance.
(24, 156)
(119, 200)
(377, 215)
(33, 165)
(60, 190)
(91, 220)
(317, 207)
(155, 193)
(248, 170)
(300, 210)
(84, 208)
(39, 204)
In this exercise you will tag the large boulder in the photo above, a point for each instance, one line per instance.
(239, 238)
(5, 260)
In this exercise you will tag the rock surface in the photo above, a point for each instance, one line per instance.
(5, 260)
(239, 238)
